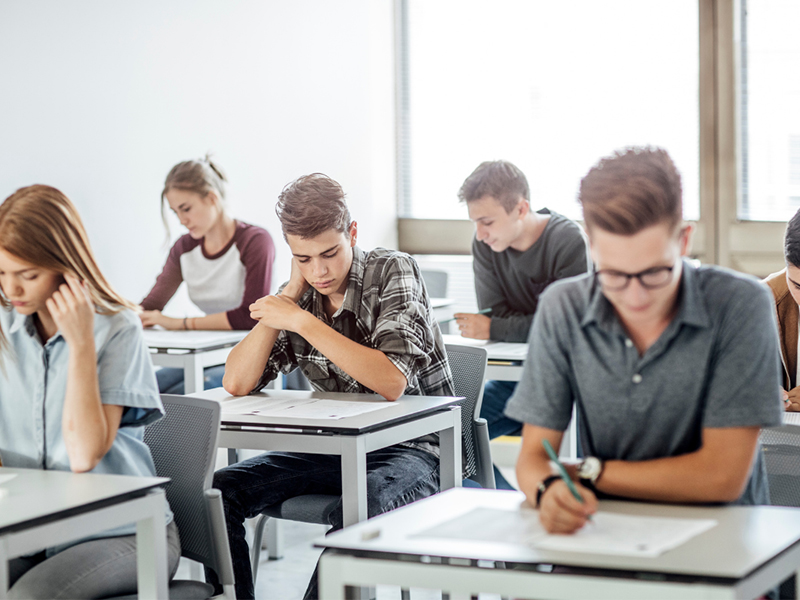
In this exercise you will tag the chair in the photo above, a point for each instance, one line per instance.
(781, 449)
(468, 366)
(435, 282)
(184, 448)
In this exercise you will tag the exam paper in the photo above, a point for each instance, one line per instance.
(791, 418)
(627, 535)
(308, 408)
(607, 533)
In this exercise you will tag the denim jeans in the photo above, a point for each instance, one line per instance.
(395, 476)
(495, 397)
(170, 379)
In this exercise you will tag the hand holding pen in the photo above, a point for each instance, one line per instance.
(566, 506)
(473, 325)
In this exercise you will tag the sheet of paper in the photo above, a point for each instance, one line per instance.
(509, 351)
(791, 418)
(627, 535)
(608, 533)
(309, 408)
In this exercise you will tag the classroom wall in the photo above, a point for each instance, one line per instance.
(101, 98)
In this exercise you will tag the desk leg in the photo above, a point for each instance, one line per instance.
(3, 568)
(331, 583)
(193, 374)
(354, 480)
(450, 468)
(151, 550)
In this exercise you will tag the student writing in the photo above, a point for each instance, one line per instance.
(226, 263)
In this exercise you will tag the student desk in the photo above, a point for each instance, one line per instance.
(506, 359)
(749, 551)
(351, 437)
(191, 351)
(41, 509)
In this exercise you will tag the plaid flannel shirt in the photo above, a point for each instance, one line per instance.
(385, 307)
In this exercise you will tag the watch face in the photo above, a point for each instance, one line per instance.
(590, 468)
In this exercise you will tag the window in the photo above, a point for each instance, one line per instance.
(550, 86)
(769, 108)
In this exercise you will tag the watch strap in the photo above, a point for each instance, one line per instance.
(542, 487)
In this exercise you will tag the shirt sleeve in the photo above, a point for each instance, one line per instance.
(125, 373)
(402, 328)
(744, 374)
(544, 395)
(281, 360)
(257, 254)
(168, 282)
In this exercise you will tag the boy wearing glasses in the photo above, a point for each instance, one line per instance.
(673, 368)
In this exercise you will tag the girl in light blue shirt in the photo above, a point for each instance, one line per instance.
(76, 386)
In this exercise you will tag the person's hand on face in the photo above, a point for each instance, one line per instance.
(297, 285)
(72, 310)
(473, 326)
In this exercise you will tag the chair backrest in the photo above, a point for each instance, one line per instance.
(435, 282)
(781, 449)
(468, 366)
(184, 448)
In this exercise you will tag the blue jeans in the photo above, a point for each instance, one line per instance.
(396, 476)
(170, 379)
(495, 397)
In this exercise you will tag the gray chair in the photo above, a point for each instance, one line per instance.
(781, 449)
(468, 366)
(435, 282)
(184, 448)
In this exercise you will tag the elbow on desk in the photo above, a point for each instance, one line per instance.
(83, 464)
(235, 387)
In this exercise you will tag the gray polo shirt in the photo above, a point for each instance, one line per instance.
(716, 365)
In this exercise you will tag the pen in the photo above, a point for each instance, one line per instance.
(480, 312)
(563, 472)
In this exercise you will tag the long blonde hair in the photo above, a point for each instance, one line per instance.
(40, 225)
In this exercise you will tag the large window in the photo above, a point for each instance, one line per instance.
(770, 109)
(550, 86)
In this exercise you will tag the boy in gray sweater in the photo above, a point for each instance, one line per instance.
(516, 254)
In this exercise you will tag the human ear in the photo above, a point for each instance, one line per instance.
(686, 235)
(353, 231)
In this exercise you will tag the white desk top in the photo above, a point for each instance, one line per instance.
(191, 340)
(495, 350)
(34, 495)
(405, 408)
(743, 540)
(441, 302)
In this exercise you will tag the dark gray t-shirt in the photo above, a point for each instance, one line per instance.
(510, 282)
(716, 365)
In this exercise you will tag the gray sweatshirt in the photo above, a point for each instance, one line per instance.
(510, 282)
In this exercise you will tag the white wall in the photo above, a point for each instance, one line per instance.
(101, 98)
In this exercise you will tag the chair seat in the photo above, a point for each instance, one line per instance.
(311, 508)
(182, 589)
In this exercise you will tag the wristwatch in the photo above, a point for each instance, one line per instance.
(589, 471)
(542, 487)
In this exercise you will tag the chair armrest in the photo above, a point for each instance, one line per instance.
(483, 458)
(220, 533)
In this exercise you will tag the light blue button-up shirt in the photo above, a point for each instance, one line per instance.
(33, 384)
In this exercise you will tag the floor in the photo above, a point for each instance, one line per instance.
(286, 579)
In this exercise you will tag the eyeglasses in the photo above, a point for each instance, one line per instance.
(650, 279)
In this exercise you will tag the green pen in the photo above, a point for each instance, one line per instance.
(563, 472)
(480, 312)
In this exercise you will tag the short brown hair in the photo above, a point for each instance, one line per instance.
(499, 179)
(311, 205)
(631, 190)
